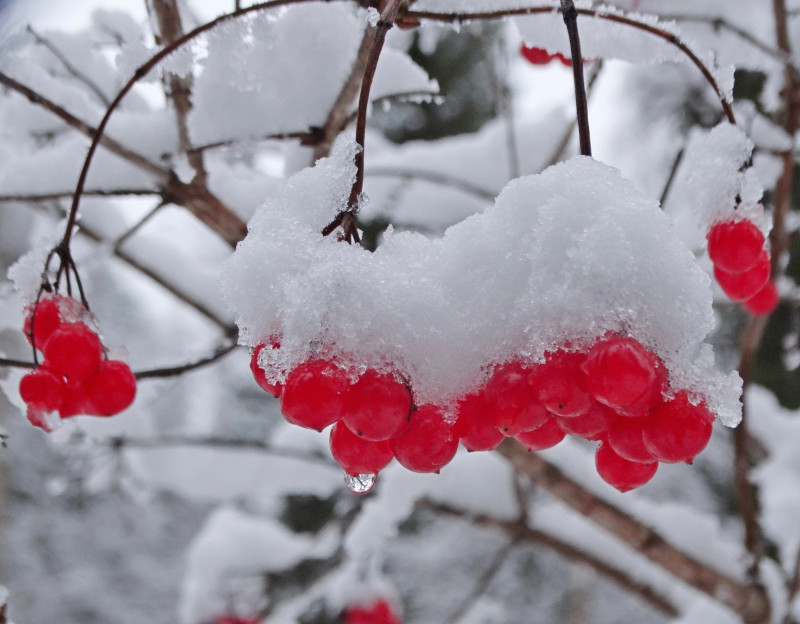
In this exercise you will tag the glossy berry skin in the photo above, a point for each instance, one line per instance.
(621, 373)
(742, 286)
(378, 406)
(764, 301)
(545, 437)
(621, 473)
(74, 351)
(429, 444)
(355, 454)
(560, 385)
(473, 427)
(314, 394)
(678, 430)
(591, 426)
(42, 390)
(42, 320)
(379, 612)
(511, 401)
(260, 376)
(110, 389)
(625, 436)
(735, 246)
(75, 402)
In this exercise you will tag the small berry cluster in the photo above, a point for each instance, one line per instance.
(75, 376)
(742, 265)
(540, 56)
(616, 392)
(379, 612)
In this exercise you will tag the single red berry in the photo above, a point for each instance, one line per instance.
(625, 436)
(560, 385)
(42, 389)
(379, 612)
(735, 246)
(742, 286)
(545, 437)
(74, 351)
(378, 406)
(261, 376)
(473, 427)
(110, 389)
(619, 472)
(536, 56)
(764, 301)
(429, 443)
(511, 402)
(620, 372)
(678, 430)
(355, 454)
(314, 394)
(42, 320)
(592, 426)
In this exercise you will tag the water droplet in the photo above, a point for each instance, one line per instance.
(360, 484)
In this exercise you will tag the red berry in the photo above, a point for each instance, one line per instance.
(260, 375)
(75, 402)
(355, 454)
(735, 246)
(511, 400)
(44, 420)
(560, 385)
(110, 389)
(74, 351)
(678, 430)
(42, 389)
(536, 56)
(314, 394)
(378, 406)
(625, 437)
(42, 320)
(619, 472)
(545, 437)
(429, 444)
(379, 612)
(620, 372)
(475, 430)
(232, 619)
(764, 301)
(742, 286)
(592, 425)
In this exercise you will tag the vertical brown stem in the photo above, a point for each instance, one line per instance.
(570, 14)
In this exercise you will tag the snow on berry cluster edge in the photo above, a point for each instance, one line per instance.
(562, 258)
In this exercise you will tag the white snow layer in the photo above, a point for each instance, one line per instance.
(561, 258)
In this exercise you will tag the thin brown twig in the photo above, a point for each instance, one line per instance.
(521, 532)
(47, 197)
(173, 371)
(16, 363)
(749, 601)
(174, 289)
(483, 583)
(671, 38)
(570, 14)
(74, 71)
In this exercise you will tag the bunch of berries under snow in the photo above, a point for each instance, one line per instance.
(75, 375)
(569, 307)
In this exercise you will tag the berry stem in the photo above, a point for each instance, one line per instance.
(570, 15)
(348, 218)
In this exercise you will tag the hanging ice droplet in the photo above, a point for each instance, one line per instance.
(360, 484)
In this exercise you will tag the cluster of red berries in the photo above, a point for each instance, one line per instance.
(540, 56)
(742, 265)
(616, 392)
(75, 377)
(379, 612)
